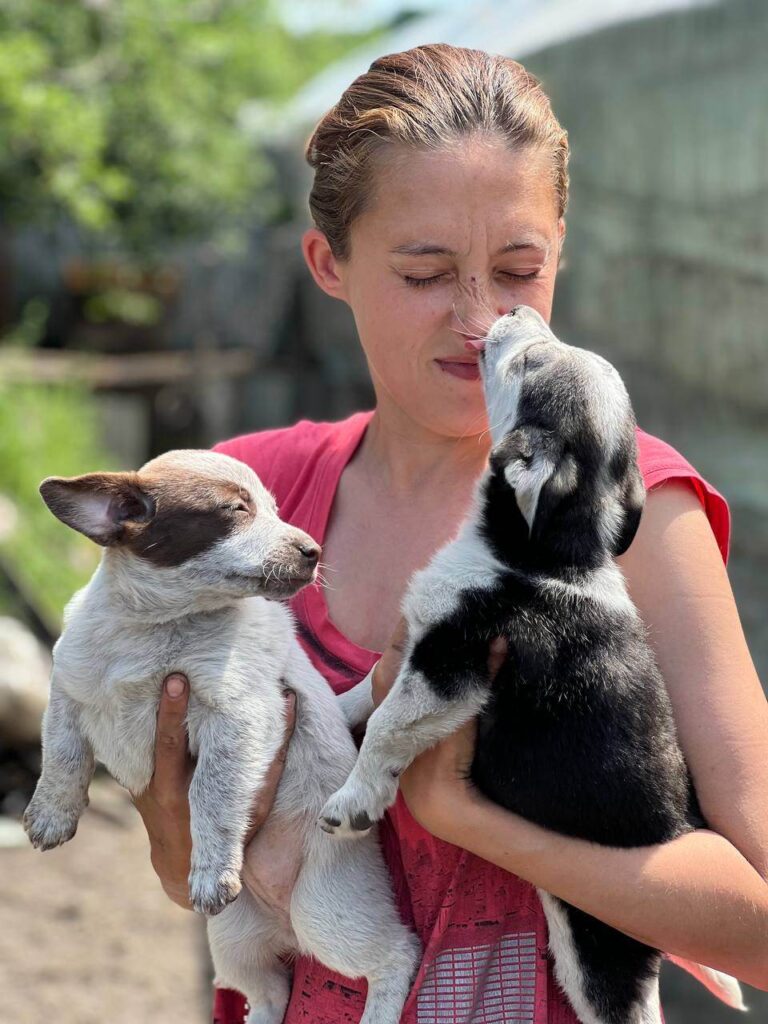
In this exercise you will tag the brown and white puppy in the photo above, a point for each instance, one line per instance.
(195, 563)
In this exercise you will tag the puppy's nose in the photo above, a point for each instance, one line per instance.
(310, 551)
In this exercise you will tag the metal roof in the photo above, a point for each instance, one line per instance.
(516, 28)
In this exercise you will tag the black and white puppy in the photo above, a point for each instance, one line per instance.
(576, 733)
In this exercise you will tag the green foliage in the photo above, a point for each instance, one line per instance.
(124, 113)
(128, 307)
(47, 431)
(30, 328)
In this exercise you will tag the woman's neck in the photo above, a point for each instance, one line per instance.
(403, 457)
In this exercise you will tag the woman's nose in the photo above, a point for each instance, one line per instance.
(478, 290)
(475, 318)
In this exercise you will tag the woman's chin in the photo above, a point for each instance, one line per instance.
(457, 421)
(443, 404)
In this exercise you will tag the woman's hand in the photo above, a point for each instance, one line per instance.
(703, 896)
(439, 777)
(164, 805)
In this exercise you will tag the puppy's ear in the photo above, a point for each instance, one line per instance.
(631, 500)
(98, 504)
(532, 462)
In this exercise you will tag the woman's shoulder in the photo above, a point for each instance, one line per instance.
(280, 454)
(660, 462)
(300, 438)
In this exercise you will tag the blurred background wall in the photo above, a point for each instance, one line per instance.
(153, 295)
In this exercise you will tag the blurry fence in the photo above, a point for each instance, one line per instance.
(666, 273)
(668, 228)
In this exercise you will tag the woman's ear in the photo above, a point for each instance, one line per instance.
(323, 265)
(560, 239)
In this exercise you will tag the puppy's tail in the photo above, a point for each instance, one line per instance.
(721, 985)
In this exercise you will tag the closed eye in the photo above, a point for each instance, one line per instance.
(244, 504)
(424, 282)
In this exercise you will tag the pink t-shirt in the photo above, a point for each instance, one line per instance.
(483, 931)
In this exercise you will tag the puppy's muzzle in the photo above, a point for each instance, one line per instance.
(291, 568)
(309, 552)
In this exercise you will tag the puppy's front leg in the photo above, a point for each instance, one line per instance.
(231, 766)
(414, 715)
(61, 794)
(357, 704)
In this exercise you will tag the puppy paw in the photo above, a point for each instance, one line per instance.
(353, 810)
(48, 825)
(210, 890)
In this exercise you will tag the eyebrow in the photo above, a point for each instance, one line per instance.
(432, 249)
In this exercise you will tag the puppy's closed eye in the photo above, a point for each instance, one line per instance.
(244, 503)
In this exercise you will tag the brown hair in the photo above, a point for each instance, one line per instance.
(426, 97)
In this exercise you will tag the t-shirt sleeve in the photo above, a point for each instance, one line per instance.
(277, 456)
(660, 462)
(259, 450)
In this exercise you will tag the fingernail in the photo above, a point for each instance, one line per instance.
(174, 686)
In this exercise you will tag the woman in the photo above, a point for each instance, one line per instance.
(438, 202)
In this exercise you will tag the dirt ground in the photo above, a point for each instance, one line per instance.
(87, 934)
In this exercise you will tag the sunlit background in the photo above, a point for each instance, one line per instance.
(153, 296)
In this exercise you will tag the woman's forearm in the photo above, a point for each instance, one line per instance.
(695, 896)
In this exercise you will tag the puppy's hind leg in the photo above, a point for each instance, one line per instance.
(244, 941)
(344, 914)
(268, 1000)
(608, 977)
(386, 997)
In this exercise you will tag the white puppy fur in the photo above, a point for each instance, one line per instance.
(195, 563)
(442, 683)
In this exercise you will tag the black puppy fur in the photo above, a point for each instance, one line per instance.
(578, 735)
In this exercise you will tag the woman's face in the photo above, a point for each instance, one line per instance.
(452, 240)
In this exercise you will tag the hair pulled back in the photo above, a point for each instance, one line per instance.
(428, 98)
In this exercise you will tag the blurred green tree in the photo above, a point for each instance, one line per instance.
(44, 431)
(123, 114)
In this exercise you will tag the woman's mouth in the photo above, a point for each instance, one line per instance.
(475, 344)
(464, 368)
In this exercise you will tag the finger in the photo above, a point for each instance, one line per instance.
(291, 701)
(262, 804)
(388, 666)
(457, 752)
(497, 653)
(171, 754)
(400, 636)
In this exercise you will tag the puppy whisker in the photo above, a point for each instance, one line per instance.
(322, 582)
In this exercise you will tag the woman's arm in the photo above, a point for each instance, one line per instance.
(678, 582)
(703, 896)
